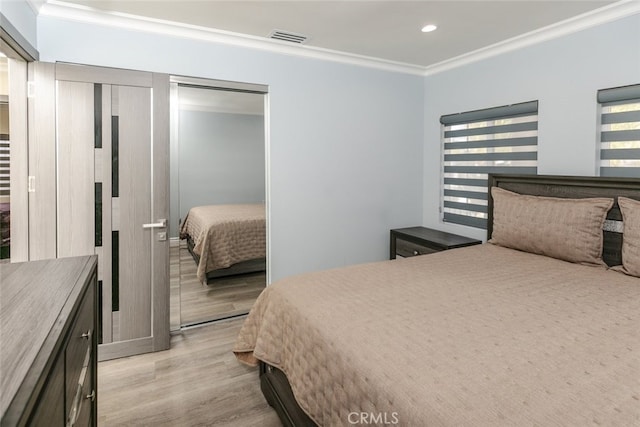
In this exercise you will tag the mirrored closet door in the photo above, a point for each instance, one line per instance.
(218, 226)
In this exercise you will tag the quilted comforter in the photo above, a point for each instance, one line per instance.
(477, 336)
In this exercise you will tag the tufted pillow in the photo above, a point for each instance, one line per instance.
(567, 229)
(631, 238)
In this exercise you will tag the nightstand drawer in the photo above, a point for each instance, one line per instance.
(407, 249)
(413, 241)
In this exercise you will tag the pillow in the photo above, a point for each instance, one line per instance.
(567, 229)
(631, 238)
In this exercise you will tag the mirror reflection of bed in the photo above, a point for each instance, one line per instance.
(218, 227)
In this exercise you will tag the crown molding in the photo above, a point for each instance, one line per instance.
(79, 13)
(74, 12)
(35, 5)
(603, 15)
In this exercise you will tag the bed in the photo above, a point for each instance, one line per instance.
(226, 240)
(483, 335)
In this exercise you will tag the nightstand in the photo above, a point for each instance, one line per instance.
(413, 241)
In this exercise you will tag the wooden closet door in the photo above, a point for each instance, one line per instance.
(42, 161)
(111, 178)
(19, 160)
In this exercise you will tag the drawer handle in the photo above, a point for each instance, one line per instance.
(87, 335)
(91, 396)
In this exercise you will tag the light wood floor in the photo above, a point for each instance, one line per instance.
(225, 297)
(198, 382)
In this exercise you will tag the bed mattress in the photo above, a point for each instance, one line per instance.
(224, 235)
(477, 336)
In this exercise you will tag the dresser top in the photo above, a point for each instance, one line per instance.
(36, 300)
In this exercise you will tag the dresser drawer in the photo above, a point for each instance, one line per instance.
(407, 249)
(78, 353)
(49, 409)
(81, 413)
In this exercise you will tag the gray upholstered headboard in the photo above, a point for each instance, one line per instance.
(575, 187)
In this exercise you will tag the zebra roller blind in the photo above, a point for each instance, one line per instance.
(5, 152)
(477, 143)
(620, 131)
(5, 172)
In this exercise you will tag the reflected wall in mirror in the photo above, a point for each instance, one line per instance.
(218, 213)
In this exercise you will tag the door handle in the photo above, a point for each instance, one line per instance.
(162, 223)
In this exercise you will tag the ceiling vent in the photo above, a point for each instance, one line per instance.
(288, 36)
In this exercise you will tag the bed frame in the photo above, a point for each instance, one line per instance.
(244, 267)
(274, 383)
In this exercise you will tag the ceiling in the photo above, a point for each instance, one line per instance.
(387, 30)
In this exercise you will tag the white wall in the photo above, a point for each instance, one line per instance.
(345, 141)
(563, 74)
(22, 17)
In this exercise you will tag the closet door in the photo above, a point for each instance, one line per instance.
(42, 161)
(111, 178)
(19, 160)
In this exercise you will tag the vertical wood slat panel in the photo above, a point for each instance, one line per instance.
(107, 327)
(134, 155)
(76, 172)
(160, 208)
(19, 160)
(42, 162)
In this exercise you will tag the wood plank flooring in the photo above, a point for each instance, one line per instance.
(198, 382)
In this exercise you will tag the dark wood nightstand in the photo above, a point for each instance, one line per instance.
(413, 241)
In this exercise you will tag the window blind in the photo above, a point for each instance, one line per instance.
(620, 131)
(4, 167)
(477, 143)
(4, 150)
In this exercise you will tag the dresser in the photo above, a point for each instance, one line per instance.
(48, 344)
(413, 241)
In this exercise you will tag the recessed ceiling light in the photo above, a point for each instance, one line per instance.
(429, 28)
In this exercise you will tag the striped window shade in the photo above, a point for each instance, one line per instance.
(4, 168)
(4, 150)
(477, 143)
(620, 131)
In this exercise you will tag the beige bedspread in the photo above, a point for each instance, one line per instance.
(478, 336)
(224, 235)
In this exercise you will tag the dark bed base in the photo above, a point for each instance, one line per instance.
(276, 389)
(244, 267)
(274, 383)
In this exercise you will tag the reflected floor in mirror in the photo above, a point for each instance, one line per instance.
(224, 297)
